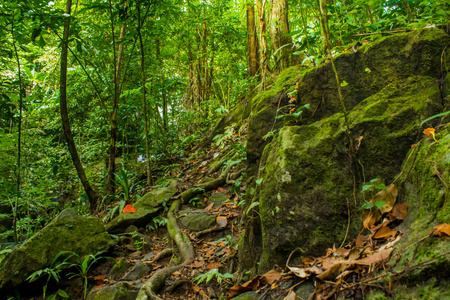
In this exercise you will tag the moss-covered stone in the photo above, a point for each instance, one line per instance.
(119, 291)
(308, 171)
(67, 232)
(196, 220)
(389, 60)
(147, 208)
(423, 184)
(118, 269)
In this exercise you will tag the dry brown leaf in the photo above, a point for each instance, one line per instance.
(361, 240)
(376, 257)
(328, 262)
(442, 230)
(400, 210)
(238, 289)
(334, 271)
(211, 266)
(196, 288)
(384, 232)
(222, 221)
(389, 195)
(221, 190)
(198, 264)
(370, 218)
(290, 296)
(271, 276)
(209, 207)
(305, 272)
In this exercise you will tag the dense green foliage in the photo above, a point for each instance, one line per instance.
(195, 70)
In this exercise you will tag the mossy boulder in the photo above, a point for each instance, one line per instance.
(390, 60)
(424, 185)
(67, 232)
(196, 220)
(119, 291)
(309, 174)
(148, 207)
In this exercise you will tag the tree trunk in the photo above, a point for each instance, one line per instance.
(326, 41)
(144, 101)
(279, 27)
(92, 196)
(260, 6)
(113, 132)
(252, 42)
(19, 134)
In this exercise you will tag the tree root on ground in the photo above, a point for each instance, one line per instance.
(207, 186)
(209, 230)
(156, 282)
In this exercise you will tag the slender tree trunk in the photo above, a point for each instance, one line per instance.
(260, 6)
(252, 42)
(279, 28)
(92, 196)
(144, 101)
(326, 40)
(19, 134)
(305, 27)
(113, 132)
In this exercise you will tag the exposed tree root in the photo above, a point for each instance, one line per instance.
(207, 186)
(163, 253)
(209, 230)
(156, 282)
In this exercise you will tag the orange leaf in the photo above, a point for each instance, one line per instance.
(129, 209)
(209, 207)
(222, 221)
(442, 230)
(238, 289)
(271, 276)
(197, 264)
(400, 210)
(384, 232)
(211, 266)
(369, 220)
(374, 258)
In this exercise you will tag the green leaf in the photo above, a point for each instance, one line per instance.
(258, 181)
(435, 116)
(344, 83)
(381, 186)
(366, 187)
(367, 206)
(62, 294)
(379, 204)
(367, 70)
(254, 204)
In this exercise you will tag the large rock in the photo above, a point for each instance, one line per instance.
(67, 232)
(307, 169)
(148, 207)
(424, 186)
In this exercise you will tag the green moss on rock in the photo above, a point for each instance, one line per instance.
(67, 232)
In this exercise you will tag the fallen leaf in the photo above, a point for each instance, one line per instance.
(222, 221)
(211, 266)
(334, 271)
(400, 210)
(129, 209)
(305, 272)
(370, 217)
(198, 264)
(221, 190)
(196, 288)
(442, 230)
(238, 289)
(361, 240)
(271, 276)
(209, 207)
(290, 296)
(384, 232)
(376, 257)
